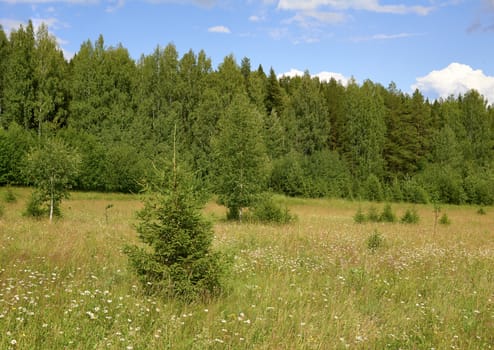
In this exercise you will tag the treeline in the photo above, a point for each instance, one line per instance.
(318, 138)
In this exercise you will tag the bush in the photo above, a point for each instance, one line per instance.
(446, 183)
(9, 196)
(359, 216)
(287, 175)
(481, 211)
(372, 215)
(444, 220)
(387, 214)
(479, 188)
(178, 261)
(375, 241)
(35, 206)
(410, 217)
(372, 189)
(268, 211)
(413, 192)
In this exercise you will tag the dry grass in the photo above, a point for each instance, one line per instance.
(312, 284)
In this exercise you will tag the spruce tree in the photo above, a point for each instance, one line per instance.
(176, 259)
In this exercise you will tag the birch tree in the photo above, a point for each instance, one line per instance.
(51, 168)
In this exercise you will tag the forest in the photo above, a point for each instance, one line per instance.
(298, 136)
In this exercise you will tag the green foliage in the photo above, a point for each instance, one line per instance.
(37, 206)
(14, 145)
(410, 217)
(359, 216)
(372, 189)
(413, 192)
(387, 215)
(375, 241)
(9, 195)
(444, 219)
(51, 168)
(444, 182)
(287, 175)
(479, 186)
(177, 259)
(267, 210)
(363, 133)
(309, 137)
(372, 214)
(481, 211)
(240, 157)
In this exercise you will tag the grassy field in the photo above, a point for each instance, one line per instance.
(313, 284)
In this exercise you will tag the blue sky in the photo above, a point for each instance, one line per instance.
(442, 47)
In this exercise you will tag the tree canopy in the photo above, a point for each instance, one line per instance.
(297, 135)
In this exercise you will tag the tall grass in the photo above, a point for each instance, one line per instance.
(312, 284)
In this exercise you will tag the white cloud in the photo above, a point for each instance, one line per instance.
(219, 29)
(387, 36)
(10, 24)
(49, 1)
(323, 76)
(204, 3)
(255, 18)
(365, 5)
(456, 79)
(114, 5)
(305, 18)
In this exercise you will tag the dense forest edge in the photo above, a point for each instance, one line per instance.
(298, 136)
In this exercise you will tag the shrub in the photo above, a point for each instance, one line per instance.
(410, 217)
(413, 192)
(268, 211)
(372, 215)
(36, 206)
(481, 211)
(9, 196)
(387, 214)
(178, 260)
(372, 189)
(444, 220)
(375, 241)
(359, 216)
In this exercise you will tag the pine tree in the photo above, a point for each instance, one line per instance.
(177, 259)
(274, 95)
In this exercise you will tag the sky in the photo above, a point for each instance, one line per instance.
(441, 47)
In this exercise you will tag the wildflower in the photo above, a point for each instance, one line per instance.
(13, 342)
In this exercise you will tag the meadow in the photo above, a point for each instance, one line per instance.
(312, 284)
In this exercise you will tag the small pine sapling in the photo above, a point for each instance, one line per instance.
(359, 216)
(387, 214)
(410, 217)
